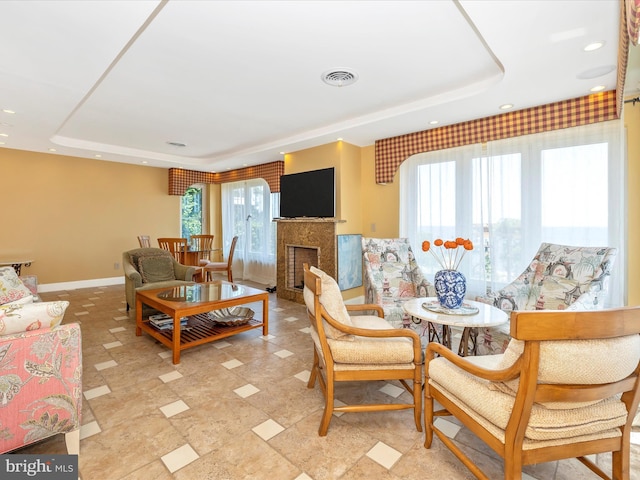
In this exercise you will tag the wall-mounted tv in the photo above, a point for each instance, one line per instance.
(308, 194)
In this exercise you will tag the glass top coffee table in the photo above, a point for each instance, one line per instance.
(193, 303)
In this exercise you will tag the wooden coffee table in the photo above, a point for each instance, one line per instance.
(195, 301)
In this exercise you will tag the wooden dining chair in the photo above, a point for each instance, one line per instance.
(224, 266)
(177, 247)
(203, 246)
(144, 241)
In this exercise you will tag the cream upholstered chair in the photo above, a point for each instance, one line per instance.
(226, 266)
(357, 348)
(531, 404)
(391, 277)
(560, 277)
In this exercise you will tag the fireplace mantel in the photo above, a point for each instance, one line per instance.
(310, 232)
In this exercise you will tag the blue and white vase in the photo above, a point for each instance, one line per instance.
(450, 288)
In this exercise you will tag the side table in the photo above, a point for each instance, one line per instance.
(486, 316)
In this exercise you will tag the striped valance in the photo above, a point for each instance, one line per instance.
(180, 179)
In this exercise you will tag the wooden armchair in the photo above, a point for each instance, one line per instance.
(358, 348)
(564, 388)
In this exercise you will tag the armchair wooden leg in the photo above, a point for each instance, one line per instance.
(417, 402)
(428, 419)
(314, 370)
(328, 409)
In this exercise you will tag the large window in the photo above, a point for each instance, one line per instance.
(509, 196)
(248, 209)
(191, 218)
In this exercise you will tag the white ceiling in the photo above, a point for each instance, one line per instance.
(238, 82)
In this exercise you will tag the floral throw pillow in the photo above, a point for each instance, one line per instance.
(16, 318)
(11, 287)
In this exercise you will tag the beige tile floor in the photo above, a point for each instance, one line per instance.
(239, 409)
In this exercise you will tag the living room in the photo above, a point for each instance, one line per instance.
(73, 217)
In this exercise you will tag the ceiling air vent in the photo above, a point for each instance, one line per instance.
(339, 77)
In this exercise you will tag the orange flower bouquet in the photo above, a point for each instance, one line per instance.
(449, 253)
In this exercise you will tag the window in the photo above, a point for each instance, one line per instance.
(509, 196)
(191, 218)
(247, 211)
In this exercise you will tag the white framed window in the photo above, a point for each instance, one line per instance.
(509, 196)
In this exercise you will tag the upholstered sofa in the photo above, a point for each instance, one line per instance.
(40, 368)
(149, 268)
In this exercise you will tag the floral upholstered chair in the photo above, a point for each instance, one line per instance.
(559, 277)
(392, 277)
(40, 369)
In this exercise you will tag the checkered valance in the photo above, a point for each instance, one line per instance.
(180, 179)
(391, 152)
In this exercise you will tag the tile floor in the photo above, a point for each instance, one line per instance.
(239, 409)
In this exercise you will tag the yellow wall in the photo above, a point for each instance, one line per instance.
(632, 124)
(74, 217)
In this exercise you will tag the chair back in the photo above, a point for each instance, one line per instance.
(232, 250)
(176, 246)
(202, 244)
(144, 241)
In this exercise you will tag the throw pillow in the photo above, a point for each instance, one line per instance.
(11, 287)
(16, 318)
(331, 300)
(156, 268)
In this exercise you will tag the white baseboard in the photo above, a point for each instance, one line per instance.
(96, 282)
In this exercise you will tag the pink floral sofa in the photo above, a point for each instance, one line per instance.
(560, 277)
(391, 277)
(40, 369)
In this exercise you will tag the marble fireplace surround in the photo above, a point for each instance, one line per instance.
(310, 234)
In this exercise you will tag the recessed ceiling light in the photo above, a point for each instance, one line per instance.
(506, 106)
(433, 122)
(98, 156)
(339, 139)
(593, 46)
(52, 149)
(144, 162)
(598, 88)
(3, 135)
(339, 77)
(282, 153)
(2, 143)
(6, 110)
(244, 164)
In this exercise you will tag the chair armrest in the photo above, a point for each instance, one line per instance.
(132, 274)
(44, 370)
(184, 272)
(503, 375)
(366, 307)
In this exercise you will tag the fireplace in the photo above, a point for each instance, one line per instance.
(296, 258)
(304, 240)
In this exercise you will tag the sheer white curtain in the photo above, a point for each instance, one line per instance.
(247, 211)
(509, 196)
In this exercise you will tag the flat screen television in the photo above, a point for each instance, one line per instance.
(308, 194)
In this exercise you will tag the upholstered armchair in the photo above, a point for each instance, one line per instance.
(560, 277)
(149, 268)
(391, 277)
(557, 392)
(350, 348)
